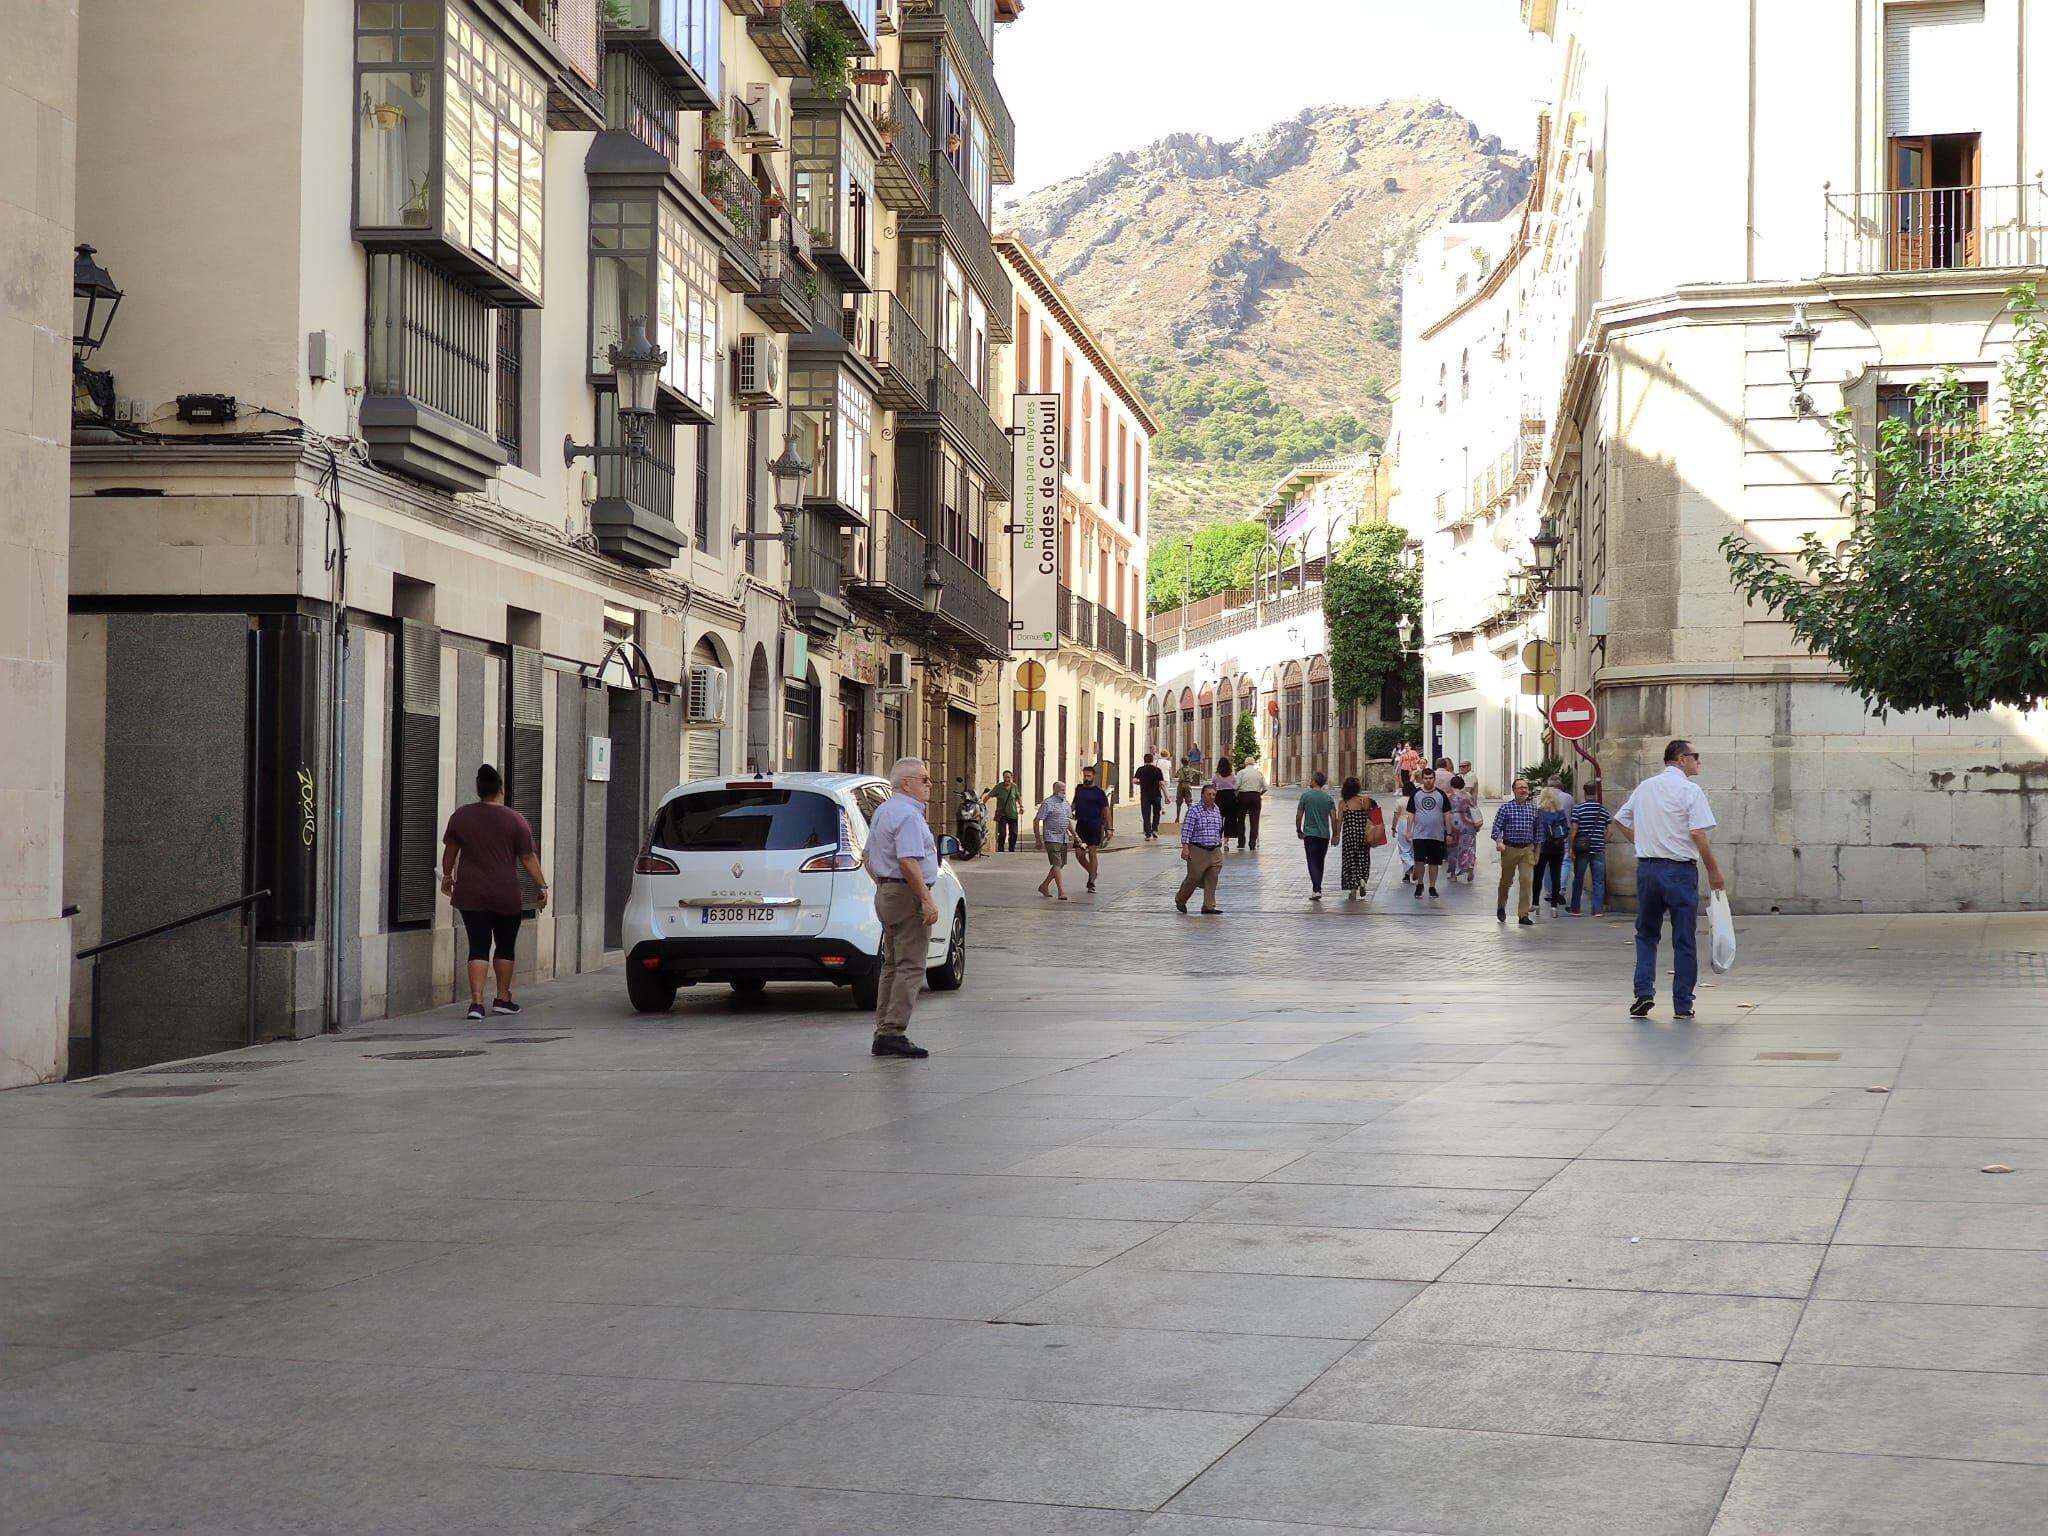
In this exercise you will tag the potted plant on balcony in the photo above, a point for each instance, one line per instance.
(389, 114)
(820, 235)
(885, 126)
(742, 221)
(771, 201)
(871, 77)
(617, 15)
(714, 131)
(418, 212)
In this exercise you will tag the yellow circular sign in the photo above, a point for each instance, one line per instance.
(1031, 675)
(1539, 656)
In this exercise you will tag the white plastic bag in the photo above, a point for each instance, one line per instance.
(1721, 954)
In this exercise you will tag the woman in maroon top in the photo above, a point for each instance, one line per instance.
(482, 852)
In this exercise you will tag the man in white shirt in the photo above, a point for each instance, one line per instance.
(1667, 818)
(1251, 796)
(904, 860)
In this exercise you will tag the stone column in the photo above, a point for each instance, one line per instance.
(39, 125)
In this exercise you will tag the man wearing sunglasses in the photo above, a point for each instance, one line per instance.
(1667, 818)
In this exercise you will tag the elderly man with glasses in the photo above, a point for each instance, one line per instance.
(903, 857)
(1667, 818)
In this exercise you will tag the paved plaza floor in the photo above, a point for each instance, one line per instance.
(1293, 1220)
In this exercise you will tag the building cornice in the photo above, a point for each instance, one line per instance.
(1041, 283)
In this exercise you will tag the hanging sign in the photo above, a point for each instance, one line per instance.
(1035, 546)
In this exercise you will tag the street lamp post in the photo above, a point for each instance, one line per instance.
(94, 298)
(789, 472)
(1799, 338)
(637, 368)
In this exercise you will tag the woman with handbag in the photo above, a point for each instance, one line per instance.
(1362, 828)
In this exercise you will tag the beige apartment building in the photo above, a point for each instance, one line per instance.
(1871, 165)
(1096, 683)
(39, 111)
(366, 502)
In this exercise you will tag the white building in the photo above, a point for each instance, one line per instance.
(1096, 683)
(1866, 159)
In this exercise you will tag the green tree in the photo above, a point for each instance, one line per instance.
(1370, 596)
(1245, 749)
(1938, 598)
(1223, 557)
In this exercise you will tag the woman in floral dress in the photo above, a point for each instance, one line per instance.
(1463, 824)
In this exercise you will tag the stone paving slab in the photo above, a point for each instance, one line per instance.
(1353, 1217)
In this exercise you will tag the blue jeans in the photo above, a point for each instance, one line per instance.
(1594, 864)
(1668, 885)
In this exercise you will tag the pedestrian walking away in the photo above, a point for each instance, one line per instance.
(1251, 798)
(1362, 827)
(1589, 847)
(1150, 780)
(485, 846)
(1554, 824)
(1201, 849)
(1187, 787)
(1092, 824)
(1517, 827)
(1312, 813)
(1668, 820)
(1225, 785)
(1052, 827)
(1009, 802)
(903, 858)
(1463, 845)
(1404, 832)
(1429, 820)
(1565, 802)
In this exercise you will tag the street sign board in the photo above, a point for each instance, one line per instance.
(1539, 656)
(1573, 717)
(1030, 702)
(1541, 684)
(1031, 675)
(1035, 546)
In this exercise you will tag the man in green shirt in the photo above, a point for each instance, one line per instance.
(1312, 825)
(1008, 803)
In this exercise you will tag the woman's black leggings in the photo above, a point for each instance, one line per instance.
(492, 928)
(1550, 860)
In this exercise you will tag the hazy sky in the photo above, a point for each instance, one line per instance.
(1087, 77)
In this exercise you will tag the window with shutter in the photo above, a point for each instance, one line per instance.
(1934, 67)
(416, 774)
(525, 748)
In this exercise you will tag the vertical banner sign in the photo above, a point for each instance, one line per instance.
(1035, 547)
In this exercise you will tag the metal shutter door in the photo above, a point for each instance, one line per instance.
(1934, 67)
(526, 748)
(416, 774)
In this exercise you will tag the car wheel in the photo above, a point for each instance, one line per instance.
(750, 986)
(947, 976)
(867, 993)
(648, 992)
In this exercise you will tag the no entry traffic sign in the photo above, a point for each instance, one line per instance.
(1573, 717)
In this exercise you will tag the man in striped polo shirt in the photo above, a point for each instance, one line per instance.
(1589, 845)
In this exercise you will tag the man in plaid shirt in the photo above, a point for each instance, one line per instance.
(1201, 845)
(1517, 828)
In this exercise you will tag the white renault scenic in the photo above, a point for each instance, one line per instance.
(749, 881)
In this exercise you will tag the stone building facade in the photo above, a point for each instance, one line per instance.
(1855, 158)
(302, 619)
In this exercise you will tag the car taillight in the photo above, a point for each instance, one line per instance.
(655, 864)
(842, 857)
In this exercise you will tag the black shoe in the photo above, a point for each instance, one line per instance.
(1432, 890)
(1526, 922)
(1683, 1013)
(504, 1005)
(1181, 907)
(1640, 1008)
(898, 1045)
(1210, 911)
(1500, 914)
(1418, 891)
(1091, 885)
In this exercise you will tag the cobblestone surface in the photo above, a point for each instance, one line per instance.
(1302, 1218)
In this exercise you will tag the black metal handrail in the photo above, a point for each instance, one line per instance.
(93, 954)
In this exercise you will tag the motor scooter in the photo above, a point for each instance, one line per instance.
(970, 821)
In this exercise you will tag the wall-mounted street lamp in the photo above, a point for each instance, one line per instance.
(934, 584)
(637, 367)
(94, 298)
(789, 473)
(1798, 338)
(1547, 544)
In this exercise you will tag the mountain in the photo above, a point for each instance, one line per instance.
(1255, 286)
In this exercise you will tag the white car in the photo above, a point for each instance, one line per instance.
(754, 880)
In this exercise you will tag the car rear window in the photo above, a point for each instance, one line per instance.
(747, 821)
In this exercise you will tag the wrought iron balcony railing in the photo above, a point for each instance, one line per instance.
(973, 610)
(903, 173)
(738, 200)
(1932, 229)
(964, 410)
(787, 295)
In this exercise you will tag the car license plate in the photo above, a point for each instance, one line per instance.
(739, 914)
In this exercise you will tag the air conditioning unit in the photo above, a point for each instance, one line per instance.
(759, 366)
(761, 118)
(853, 554)
(897, 674)
(707, 696)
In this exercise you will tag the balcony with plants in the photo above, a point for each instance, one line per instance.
(742, 209)
(814, 39)
(787, 297)
(903, 168)
(954, 25)
(678, 39)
